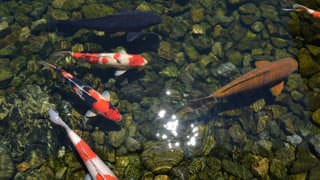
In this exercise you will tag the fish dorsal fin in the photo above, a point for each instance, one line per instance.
(261, 63)
(122, 51)
(90, 113)
(106, 95)
(132, 36)
(119, 72)
(277, 89)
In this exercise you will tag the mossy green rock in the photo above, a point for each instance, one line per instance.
(165, 50)
(313, 100)
(269, 12)
(235, 57)
(238, 32)
(314, 173)
(249, 19)
(236, 169)
(5, 77)
(197, 14)
(58, 14)
(316, 117)
(6, 164)
(257, 26)
(170, 71)
(278, 169)
(315, 50)
(72, 4)
(234, 2)
(248, 8)
(96, 10)
(307, 65)
(58, 3)
(191, 52)
(117, 138)
(4, 28)
(4, 11)
(279, 42)
(305, 161)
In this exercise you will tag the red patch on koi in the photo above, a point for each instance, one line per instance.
(103, 107)
(92, 58)
(106, 176)
(116, 56)
(66, 75)
(136, 60)
(104, 60)
(85, 151)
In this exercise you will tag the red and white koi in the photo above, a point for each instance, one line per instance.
(302, 8)
(96, 167)
(99, 103)
(120, 60)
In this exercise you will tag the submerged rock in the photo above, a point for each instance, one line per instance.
(6, 164)
(294, 139)
(237, 133)
(315, 143)
(27, 129)
(5, 77)
(316, 117)
(159, 158)
(236, 169)
(226, 69)
(278, 169)
(94, 10)
(305, 161)
(117, 138)
(260, 166)
(307, 66)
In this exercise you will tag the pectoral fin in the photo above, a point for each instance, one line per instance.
(90, 113)
(106, 95)
(123, 51)
(119, 72)
(132, 36)
(277, 89)
(87, 177)
(261, 63)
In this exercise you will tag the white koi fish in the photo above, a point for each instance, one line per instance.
(120, 60)
(96, 167)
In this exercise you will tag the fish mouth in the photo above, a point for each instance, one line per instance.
(145, 62)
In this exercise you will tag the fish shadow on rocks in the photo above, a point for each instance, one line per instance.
(243, 100)
(104, 124)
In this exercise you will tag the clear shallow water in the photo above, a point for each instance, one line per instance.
(199, 47)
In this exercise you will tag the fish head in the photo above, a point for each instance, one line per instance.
(113, 114)
(291, 64)
(137, 60)
(153, 18)
(107, 110)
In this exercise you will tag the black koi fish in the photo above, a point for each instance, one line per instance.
(131, 22)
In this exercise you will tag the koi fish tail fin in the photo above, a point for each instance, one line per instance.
(58, 24)
(61, 53)
(198, 102)
(55, 118)
(46, 65)
(297, 7)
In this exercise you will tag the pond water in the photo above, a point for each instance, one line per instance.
(198, 47)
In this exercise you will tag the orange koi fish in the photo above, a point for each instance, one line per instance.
(266, 74)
